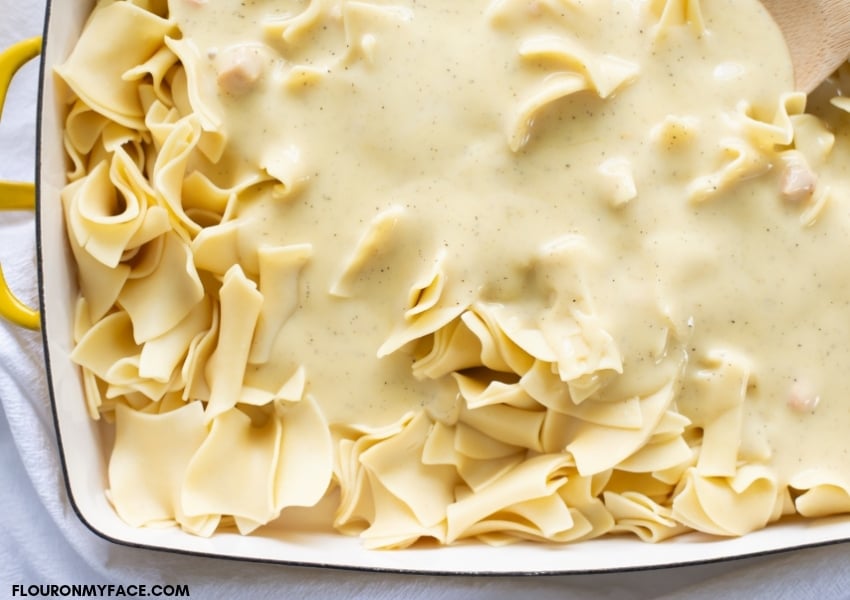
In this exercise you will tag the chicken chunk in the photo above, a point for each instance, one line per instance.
(239, 68)
(798, 179)
(802, 397)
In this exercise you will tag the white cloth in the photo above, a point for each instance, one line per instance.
(43, 542)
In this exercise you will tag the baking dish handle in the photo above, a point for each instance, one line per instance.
(16, 195)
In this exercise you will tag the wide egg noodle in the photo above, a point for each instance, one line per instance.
(123, 378)
(584, 497)
(94, 222)
(439, 448)
(241, 304)
(597, 448)
(478, 473)
(779, 131)
(108, 341)
(822, 492)
(305, 464)
(478, 458)
(585, 352)
(739, 162)
(158, 67)
(144, 260)
(553, 89)
(536, 479)
(279, 270)
(200, 349)
(425, 293)
(289, 169)
(117, 38)
(292, 27)
(474, 443)
(218, 248)
(542, 519)
(420, 326)
(636, 513)
(163, 355)
(499, 351)
(148, 463)
(99, 284)
(171, 165)
(159, 301)
(208, 203)
(116, 136)
(454, 347)
(83, 130)
(109, 214)
(395, 526)
(424, 489)
(233, 471)
(542, 383)
(578, 69)
(96, 402)
(356, 507)
(501, 13)
(160, 120)
(82, 319)
(198, 87)
(360, 19)
(677, 13)
(280, 398)
(670, 446)
(481, 388)
(728, 506)
(213, 142)
(721, 392)
(508, 424)
(658, 456)
(371, 250)
(746, 157)
(571, 334)
(650, 485)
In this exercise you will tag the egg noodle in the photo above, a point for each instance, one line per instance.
(498, 270)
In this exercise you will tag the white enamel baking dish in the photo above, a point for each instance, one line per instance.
(294, 541)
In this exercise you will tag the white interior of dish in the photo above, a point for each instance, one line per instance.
(86, 466)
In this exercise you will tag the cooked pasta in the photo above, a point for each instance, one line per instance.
(493, 270)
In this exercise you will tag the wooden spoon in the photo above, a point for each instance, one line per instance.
(818, 36)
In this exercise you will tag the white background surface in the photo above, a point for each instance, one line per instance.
(42, 542)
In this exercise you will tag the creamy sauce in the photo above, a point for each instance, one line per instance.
(625, 195)
(419, 120)
(422, 126)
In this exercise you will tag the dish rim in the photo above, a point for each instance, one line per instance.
(45, 70)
